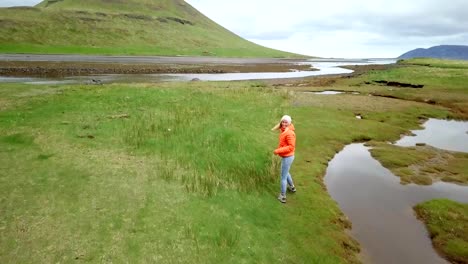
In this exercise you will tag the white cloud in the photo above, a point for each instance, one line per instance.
(341, 28)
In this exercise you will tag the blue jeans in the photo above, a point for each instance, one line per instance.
(285, 176)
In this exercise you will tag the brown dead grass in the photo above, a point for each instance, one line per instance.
(358, 103)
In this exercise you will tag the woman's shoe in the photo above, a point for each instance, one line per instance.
(282, 198)
(292, 189)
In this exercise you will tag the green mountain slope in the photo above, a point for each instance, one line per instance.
(126, 27)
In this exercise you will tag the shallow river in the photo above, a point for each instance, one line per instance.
(325, 67)
(380, 208)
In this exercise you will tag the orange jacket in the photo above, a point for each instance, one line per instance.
(287, 142)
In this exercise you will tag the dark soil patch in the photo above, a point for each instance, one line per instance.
(399, 84)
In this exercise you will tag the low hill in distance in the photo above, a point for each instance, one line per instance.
(453, 52)
(116, 27)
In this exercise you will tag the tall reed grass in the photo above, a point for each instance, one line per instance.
(205, 145)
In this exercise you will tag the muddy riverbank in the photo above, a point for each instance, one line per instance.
(58, 69)
(28, 65)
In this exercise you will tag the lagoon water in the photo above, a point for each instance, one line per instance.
(325, 67)
(380, 208)
(443, 134)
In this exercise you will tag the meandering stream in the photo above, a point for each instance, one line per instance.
(380, 208)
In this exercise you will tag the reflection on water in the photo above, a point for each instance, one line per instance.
(324, 67)
(380, 208)
(443, 134)
(328, 92)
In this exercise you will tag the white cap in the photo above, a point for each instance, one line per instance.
(286, 118)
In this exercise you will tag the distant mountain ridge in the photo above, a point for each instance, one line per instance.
(454, 52)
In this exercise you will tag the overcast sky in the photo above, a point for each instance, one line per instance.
(338, 28)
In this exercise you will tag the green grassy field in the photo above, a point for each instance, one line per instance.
(444, 83)
(179, 172)
(162, 27)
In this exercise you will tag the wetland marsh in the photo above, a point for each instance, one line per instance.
(184, 172)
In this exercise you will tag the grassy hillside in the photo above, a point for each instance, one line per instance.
(146, 27)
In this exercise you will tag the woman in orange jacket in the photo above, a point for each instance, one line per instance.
(286, 147)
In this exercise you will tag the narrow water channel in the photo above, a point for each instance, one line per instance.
(381, 209)
(325, 67)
